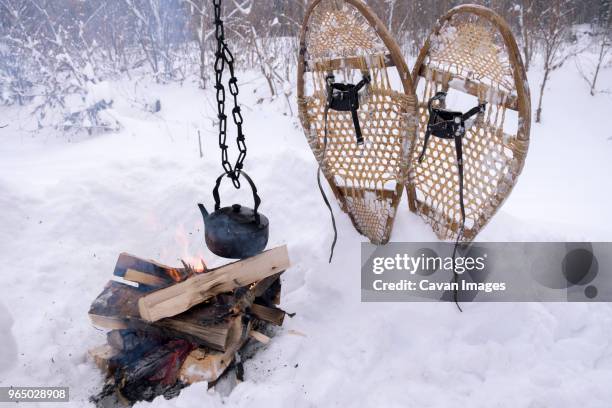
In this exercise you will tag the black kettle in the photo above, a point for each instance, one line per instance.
(235, 232)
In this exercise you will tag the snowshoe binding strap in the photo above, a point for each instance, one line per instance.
(447, 124)
(343, 97)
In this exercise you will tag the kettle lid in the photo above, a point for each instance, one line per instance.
(242, 215)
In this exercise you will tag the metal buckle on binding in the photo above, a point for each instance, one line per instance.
(363, 147)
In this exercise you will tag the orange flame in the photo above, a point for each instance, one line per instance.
(175, 274)
(193, 259)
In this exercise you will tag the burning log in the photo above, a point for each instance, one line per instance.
(207, 325)
(196, 322)
(149, 275)
(154, 373)
(180, 297)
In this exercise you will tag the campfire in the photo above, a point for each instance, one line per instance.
(172, 327)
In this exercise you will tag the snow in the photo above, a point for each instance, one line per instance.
(8, 352)
(71, 205)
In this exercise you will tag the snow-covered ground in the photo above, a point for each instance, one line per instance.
(69, 206)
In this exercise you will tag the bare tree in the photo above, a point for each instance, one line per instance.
(201, 22)
(604, 46)
(55, 53)
(552, 32)
(527, 25)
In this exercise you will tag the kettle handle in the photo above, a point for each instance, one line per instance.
(255, 195)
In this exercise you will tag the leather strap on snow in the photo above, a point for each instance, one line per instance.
(447, 124)
(325, 199)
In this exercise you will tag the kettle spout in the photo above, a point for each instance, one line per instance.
(203, 211)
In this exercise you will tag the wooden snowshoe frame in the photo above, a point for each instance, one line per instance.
(472, 51)
(345, 38)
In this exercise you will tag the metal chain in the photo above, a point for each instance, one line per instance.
(224, 56)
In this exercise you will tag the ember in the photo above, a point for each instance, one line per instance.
(179, 326)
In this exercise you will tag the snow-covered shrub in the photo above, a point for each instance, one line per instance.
(55, 54)
(16, 87)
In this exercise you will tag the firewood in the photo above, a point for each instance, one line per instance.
(214, 336)
(150, 274)
(207, 324)
(268, 314)
(127, 340)
(208, 365)
(260, 337)
(101, 356)
(245, 296)
(271, 295)
(155, 373)
(269, 286)
(114, 305)
(196, 367)
(124, 339)
(202, 320)
(177, 298)
(202, 324)
(145, 279)
(199, 340)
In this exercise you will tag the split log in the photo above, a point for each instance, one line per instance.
(260, 337)
(146, 280)
(245, 296)
(205, 325)
(102, 355)
(271, 295)
(209, 324)
(182, 296)
(201, 321)
(150, 275)
(116, 304)
(215, 336)
(268, 314)
(208, 365)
